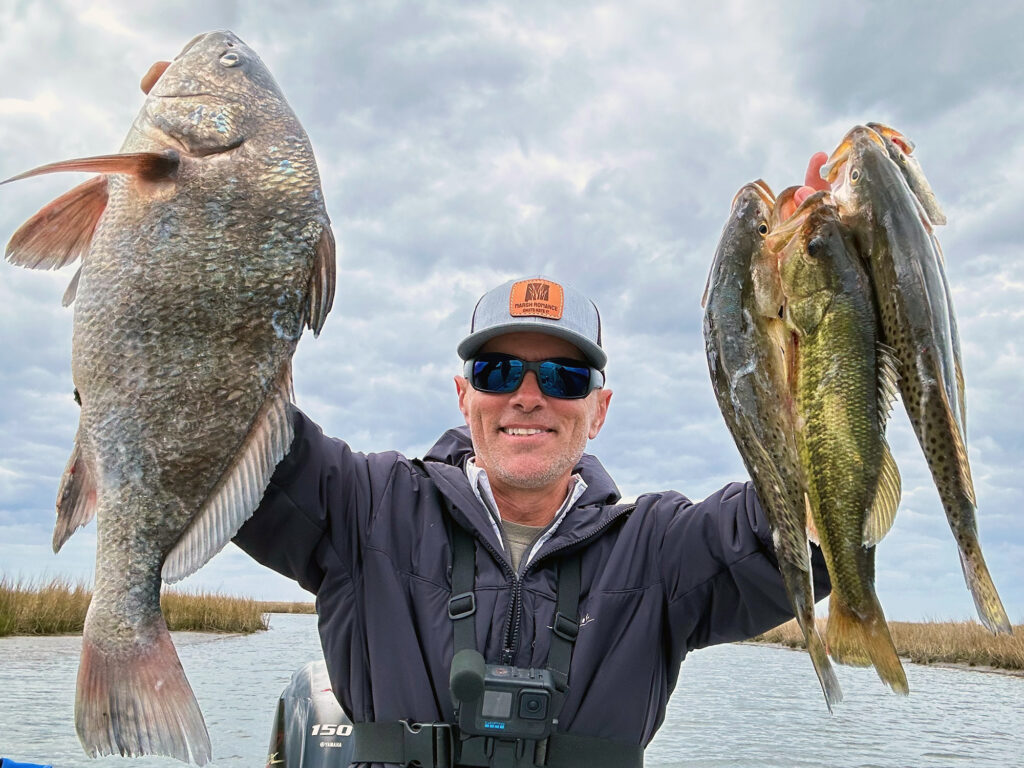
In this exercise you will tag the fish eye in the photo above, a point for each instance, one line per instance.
(855, 175)
(762, 229)
(230, 59)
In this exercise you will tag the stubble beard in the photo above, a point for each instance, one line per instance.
(541, 478)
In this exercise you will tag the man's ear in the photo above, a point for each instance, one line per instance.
(462, 387)
(604, 396)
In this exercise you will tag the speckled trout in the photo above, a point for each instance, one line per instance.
(911, 293)
(206, 248)
(900, 149)
(844, 384)
(747, 357)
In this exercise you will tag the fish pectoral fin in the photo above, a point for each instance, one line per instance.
(151, 166)
(62, 230)
(76, 498)
(238, 492)
(320, 295)
(72, 290)
(812, 529)
(887, 499)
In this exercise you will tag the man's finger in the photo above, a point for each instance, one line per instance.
(813, 178)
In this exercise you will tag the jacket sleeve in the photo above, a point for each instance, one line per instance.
(315, 507)
(721, 575)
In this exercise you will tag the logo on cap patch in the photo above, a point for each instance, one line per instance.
(536, 298)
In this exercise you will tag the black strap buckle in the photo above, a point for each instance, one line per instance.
(565, 628)
(462, 605)
(429, 745)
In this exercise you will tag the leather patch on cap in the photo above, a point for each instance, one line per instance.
(536, 298)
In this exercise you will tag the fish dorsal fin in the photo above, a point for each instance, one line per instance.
(887, 499)
(76, 498)
(72, 289)
(321, 282)
(888, 381)
(812, 529)
(240, 488)
(62, 230)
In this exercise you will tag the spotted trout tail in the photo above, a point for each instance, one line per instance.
(864, 641)
(136, 701)
(983, 590)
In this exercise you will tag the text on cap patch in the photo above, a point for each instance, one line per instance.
(536, 298)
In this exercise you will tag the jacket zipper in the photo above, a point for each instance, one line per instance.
(512, 622)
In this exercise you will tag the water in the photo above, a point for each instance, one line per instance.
(736, 706)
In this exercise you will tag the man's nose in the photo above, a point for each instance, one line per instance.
(528, 396)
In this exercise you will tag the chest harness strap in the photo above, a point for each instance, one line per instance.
(440, 745)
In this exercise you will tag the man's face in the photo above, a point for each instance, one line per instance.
(526, 440)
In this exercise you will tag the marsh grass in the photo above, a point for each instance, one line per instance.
(58, 607)
(274, 607)
(932, 642)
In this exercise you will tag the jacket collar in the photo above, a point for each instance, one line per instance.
(592, 512)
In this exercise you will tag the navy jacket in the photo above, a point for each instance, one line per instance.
(369, 535)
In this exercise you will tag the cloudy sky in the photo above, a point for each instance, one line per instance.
(461, 145)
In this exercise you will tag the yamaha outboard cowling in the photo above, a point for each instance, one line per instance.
(310, 728)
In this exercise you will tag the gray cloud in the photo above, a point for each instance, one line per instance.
(461, 145)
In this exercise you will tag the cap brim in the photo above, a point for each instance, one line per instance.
(470, 345)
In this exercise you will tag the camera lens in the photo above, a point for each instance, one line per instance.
(533, 705)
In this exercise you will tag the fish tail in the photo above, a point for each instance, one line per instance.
(137, 701)
(804, 610)
(983, 590)
(864, 641)
(823, 667)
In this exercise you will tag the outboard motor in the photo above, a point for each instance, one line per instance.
(310, 728)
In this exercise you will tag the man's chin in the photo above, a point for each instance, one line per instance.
(527, 476)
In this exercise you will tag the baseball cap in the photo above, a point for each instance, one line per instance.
(541, 305)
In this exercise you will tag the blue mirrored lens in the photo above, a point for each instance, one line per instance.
(499, 376)
(560, 380)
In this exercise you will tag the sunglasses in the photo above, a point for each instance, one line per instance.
(501, 374)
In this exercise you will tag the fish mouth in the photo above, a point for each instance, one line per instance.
(167, 140)
(897, 138)
(782, 233)
(761, 188)
(830, 170)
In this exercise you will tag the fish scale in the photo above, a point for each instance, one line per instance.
(206, 249)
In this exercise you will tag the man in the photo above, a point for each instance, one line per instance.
(373, 537)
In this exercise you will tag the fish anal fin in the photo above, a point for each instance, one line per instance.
(62, 230)
(320, 295)
(241, 487)
(812, 529)
(76, 498)
(887, 499)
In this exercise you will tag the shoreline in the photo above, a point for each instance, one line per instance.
(961, 665)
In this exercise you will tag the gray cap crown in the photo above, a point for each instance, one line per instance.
(537, 304)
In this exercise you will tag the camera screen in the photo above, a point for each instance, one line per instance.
(497, 704)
